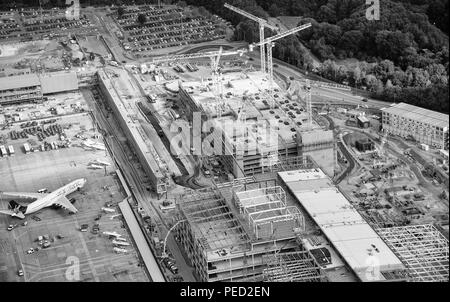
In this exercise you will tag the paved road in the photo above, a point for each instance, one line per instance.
(338, 95)
(142, 196)
(149, 260)
(350, 160)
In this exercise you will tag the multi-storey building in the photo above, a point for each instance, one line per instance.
(17, 89)
(425, 126)
(32, 87)
(256, 127)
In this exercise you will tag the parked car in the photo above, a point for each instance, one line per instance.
(84, 227)
(11, 227)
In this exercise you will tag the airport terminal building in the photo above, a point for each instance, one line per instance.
(32, 87)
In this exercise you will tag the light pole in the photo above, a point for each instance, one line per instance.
(164, 254)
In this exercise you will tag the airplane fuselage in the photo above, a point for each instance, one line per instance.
(48, 200)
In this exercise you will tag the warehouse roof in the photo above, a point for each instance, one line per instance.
(363, 119)
(419, 114)
(354, 239)
(59, 82)
(19, 81)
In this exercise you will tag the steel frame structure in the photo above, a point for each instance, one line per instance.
(213, 222)
(423, 250)
(292, 267)
(266, 208)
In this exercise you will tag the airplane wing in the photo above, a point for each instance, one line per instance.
(24, 195)
(65, 203)
(13, 214)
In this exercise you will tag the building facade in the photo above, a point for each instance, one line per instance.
(425, 126)
(18, 89)
(32, 87)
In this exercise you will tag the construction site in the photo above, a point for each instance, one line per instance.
(225, 169)
(240, 231)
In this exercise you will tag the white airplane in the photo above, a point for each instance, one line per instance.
(43, 200)
(101, 163)
(108, 210)
(95, 167)
(112, 234)
(94, 145)
(119, 250)
(120, 243)
(114, 216)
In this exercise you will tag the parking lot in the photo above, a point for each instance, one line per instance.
(28, 24)
(94, 252)
(169, 26)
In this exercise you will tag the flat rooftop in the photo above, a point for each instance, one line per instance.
(50, 82)
(58, 82)
(354, 239)
(127, 112)
(419, 114)
(19, 81)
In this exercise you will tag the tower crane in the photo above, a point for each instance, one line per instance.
(308, 101)
(270, 43)
(262, 24)
(213, 55)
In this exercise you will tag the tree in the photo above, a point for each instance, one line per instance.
(120, 11)
(142, 19)
(274, 11)
(351, 41)
(391, 44)
(357, 75)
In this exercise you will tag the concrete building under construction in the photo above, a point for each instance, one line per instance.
(230, 231)
(257, 125)
(153, 165)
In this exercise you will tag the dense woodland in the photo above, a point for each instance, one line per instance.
(403, 57)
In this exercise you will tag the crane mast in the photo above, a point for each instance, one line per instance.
(270, 44)
(262, 25)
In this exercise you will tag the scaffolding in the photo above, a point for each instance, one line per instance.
(297, 266)
(228, 243)
(213, 223)
(288, 163)
(423, 250)
(267, 214)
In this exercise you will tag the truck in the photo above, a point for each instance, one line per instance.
(114, 63)
(27, 148)
(3, 151)
(11, 150)
(151, 98)
(424, 147)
